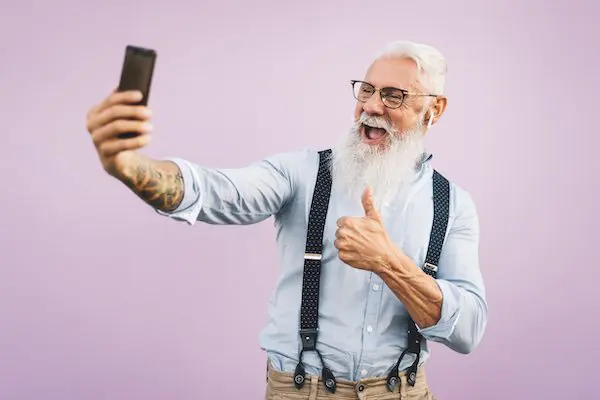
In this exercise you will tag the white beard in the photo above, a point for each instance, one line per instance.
(356, 165)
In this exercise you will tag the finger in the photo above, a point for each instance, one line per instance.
(369, 206)
(337, 243)
(343, 221)
(345, 256)
(92, 111)
(115, 128)
(341, 243)
(344, 232)
(115, 146)
(116, 97)
(118, 112)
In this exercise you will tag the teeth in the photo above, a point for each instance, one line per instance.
(369, 127)
(374, 126)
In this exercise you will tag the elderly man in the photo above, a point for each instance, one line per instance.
(378, 251)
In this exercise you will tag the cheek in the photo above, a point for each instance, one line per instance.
(403, 120)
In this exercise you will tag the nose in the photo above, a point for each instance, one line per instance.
(374, 105)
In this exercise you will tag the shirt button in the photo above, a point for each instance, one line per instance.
(376, 287)
(363, 372)
(369, 329)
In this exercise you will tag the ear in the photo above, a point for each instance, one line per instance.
(438, 107)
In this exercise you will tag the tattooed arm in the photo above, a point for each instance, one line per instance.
(158, 183)
(180, 189)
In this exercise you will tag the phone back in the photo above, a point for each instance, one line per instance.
(138, 68)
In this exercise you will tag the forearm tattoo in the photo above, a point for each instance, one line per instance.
(160, 184)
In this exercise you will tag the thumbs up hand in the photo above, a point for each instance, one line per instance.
(363, 242)
(369, 207)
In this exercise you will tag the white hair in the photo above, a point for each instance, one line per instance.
(431, 64)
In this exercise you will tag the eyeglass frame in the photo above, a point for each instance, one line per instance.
(404, 92)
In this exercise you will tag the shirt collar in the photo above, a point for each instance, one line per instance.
(425, 158)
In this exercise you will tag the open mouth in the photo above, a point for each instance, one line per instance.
(373, 135)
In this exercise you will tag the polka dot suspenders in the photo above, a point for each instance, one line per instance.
(441, 208)
(309, 310)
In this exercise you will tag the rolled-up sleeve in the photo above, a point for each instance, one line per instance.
(189, 207)
(464, 307)
(235, 196)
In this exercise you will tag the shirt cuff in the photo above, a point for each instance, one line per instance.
(449, 315)
(191, 204)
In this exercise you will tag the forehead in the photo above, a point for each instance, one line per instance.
(394, 72)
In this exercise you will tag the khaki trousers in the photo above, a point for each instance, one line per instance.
(280, 386)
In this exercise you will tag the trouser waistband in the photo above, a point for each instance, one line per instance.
(282, 383)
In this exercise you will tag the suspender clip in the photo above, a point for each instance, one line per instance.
(309, 339)
(430, 269)
(313, 256)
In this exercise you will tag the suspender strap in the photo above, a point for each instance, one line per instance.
(309, 311)
(441, 211)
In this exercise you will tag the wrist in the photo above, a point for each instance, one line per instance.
(388, 260)
(398, 264)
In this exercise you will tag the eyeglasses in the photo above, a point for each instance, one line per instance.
(390, 97)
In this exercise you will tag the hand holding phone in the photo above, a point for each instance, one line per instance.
(136, 74)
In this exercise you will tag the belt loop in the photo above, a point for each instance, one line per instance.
(314, 387)
(403, 386)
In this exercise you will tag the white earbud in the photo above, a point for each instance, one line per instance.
(430, 119)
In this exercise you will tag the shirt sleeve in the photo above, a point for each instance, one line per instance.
(235, 196)
(464, 306)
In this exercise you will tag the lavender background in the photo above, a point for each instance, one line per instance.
(100, 298)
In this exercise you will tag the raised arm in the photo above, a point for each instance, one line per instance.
(237, 196)
(176, 187)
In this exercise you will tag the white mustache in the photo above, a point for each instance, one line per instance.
(375, 122)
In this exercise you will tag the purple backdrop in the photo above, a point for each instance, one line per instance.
(100, 298)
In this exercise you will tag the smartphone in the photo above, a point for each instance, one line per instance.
(136, 74)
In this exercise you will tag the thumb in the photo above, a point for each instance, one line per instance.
(369, 206)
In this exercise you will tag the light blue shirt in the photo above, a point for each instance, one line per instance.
(362, 324)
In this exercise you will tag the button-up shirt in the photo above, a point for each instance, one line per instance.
(362, 323)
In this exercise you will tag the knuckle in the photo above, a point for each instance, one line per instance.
(90, 123)
(114, 97)
(134, 143)
(140, 112)
(92, 111)
(120, 125)
(110, 113)
(103, 150)
(137, 142)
